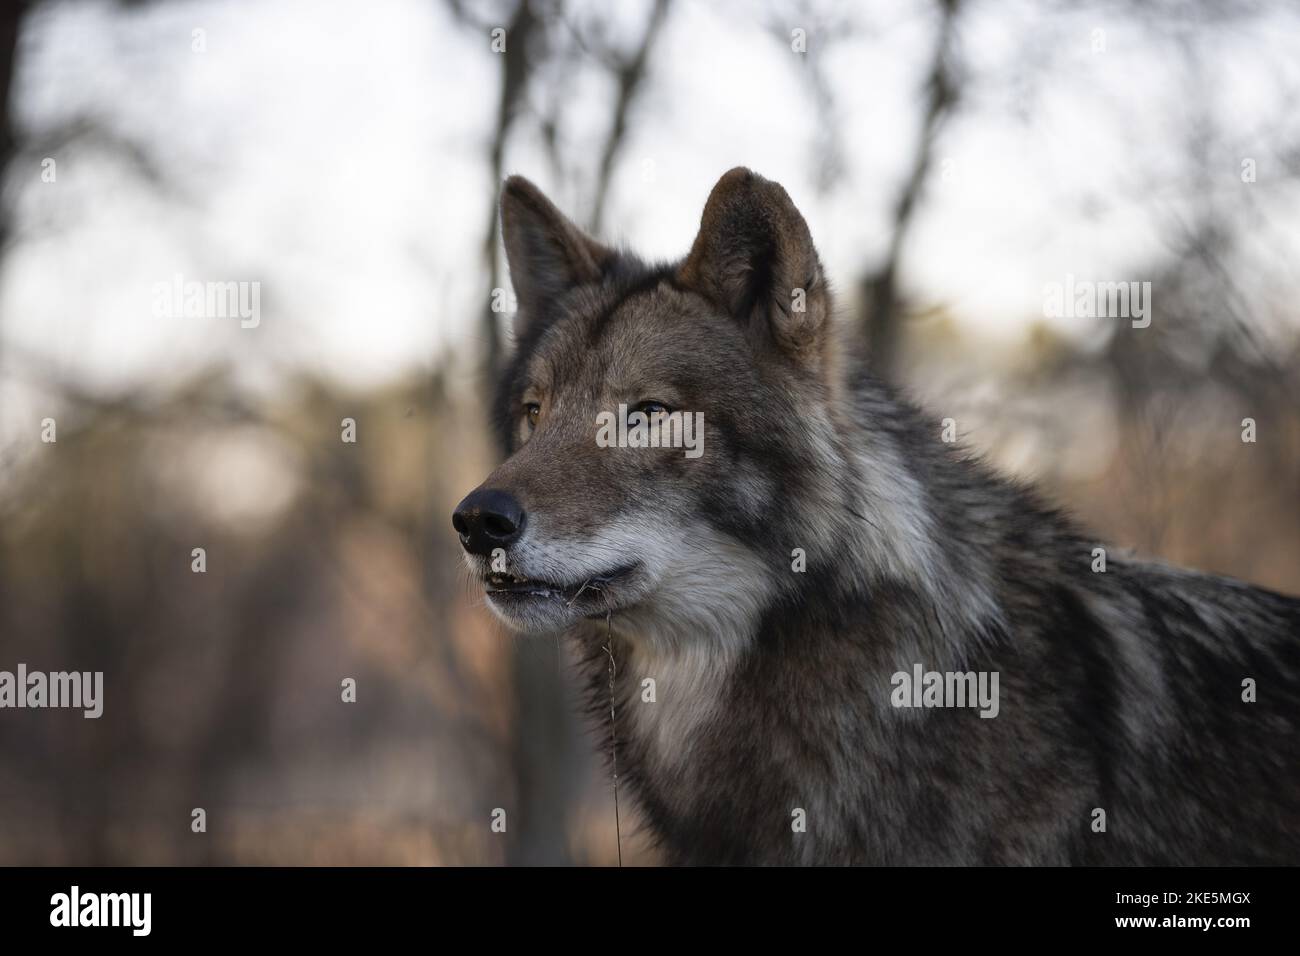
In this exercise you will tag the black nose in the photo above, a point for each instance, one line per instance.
(488, 519)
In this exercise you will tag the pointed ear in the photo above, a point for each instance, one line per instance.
(548, 254)
(754, 256)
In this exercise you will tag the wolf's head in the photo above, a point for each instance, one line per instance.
(667, 427)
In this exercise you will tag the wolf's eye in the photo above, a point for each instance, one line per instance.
(531, 412)
(652, 408)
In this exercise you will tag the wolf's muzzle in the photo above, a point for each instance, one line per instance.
(488, 519)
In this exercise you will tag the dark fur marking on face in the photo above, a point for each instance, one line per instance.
(631, 279)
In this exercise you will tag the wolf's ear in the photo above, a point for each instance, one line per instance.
(755, 257)
(547, 253)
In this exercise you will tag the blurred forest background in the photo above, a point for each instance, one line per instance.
(952, 157)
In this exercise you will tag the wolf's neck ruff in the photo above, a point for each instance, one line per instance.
(878, 586)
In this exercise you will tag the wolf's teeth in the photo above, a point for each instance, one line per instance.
(500, 579)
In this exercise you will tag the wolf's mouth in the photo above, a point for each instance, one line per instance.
(508, 586)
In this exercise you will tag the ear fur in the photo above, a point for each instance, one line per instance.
(547, 254)
(754, 257)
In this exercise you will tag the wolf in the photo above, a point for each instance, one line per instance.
(743, 619)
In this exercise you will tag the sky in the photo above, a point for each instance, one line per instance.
(334, 153)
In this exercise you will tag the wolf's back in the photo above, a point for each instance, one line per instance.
(1209, 673)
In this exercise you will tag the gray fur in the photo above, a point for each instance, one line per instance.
(1119, 691)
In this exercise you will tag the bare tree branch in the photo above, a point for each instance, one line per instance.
(629, 72)
(879, 291)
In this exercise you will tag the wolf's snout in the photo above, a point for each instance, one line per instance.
(488, 519)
